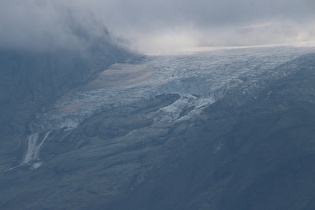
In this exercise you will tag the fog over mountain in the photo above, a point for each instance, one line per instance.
(154, 26)
(133, 104)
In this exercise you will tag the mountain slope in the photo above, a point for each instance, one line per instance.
(244, 152)
(249, 150)
(31, 80)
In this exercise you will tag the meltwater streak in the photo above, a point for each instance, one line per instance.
(37, 149)
(33, 148)
(32, 152)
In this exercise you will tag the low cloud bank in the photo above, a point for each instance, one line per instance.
(153, 26)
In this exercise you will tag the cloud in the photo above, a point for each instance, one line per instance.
(45, 24)
(157, 24)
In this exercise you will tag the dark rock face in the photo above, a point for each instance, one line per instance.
(246, 151)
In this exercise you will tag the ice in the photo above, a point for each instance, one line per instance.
(37, 165)
(38, 147)
(31, 148)
(188, 103)
(200, 79)
(203, 77)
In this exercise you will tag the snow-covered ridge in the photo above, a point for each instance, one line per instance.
(200, 79)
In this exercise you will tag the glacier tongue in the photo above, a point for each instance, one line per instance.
(200, 79)
(204, 76)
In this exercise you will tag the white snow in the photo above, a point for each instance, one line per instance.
(37, 148)
(33, 149)
(190, 104)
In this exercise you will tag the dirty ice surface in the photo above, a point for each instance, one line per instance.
(200, 78)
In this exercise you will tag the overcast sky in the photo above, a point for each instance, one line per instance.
(156, 25)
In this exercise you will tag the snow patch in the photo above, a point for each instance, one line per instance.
(37, 165)
(185, 107)
(33, 149)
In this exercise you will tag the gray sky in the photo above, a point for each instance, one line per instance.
(156, 25)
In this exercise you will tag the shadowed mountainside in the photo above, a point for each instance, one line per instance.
(31, 80)
(246, 151)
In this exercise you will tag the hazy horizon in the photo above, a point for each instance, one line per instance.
(155, 26)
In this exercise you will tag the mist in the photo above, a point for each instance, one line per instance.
(155, 26)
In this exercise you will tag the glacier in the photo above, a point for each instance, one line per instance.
(200, 78)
